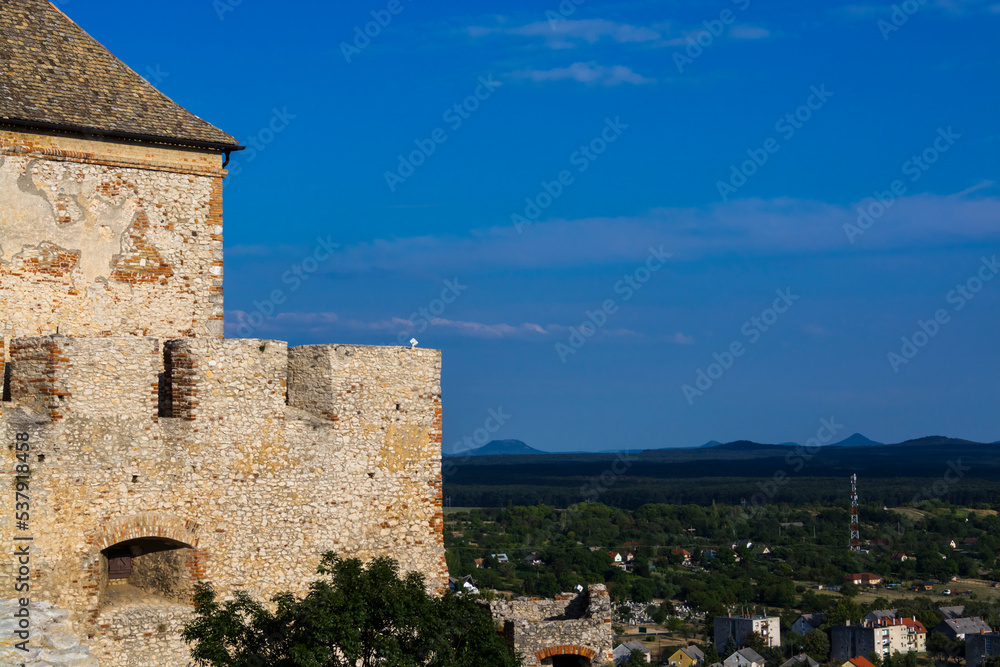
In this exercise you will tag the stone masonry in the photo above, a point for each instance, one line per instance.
(237, 487)
(154, 452)
(569, 630)
(102, 239)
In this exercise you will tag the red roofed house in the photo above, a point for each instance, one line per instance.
(864, 579)
(858, 662)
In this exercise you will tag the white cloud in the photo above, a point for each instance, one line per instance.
(755, 227)
(815, 330)
(680, 339)
(570, 34)
(746, 31)
(747, 226)
(953, 7)
(321, 323)
(589, 73)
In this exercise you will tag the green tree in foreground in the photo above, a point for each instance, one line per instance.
(636, 659)
(354, 615)
(755, 641)
(817, 645)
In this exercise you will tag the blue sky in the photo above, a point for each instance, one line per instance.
(675, 169)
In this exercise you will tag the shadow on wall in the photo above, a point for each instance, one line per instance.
(154, 566)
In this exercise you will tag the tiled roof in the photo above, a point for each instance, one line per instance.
(879, 614)
(694, 653)
(814, 620)
(52, 73)
(860, 661)
(800, 659)
(964, 626)
(952, 612)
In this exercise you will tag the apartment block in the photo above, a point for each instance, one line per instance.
(738, 627)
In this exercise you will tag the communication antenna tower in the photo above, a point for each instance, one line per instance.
(855, 523)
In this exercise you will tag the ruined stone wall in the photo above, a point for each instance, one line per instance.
(578, 625)
(249, 490)
(100, 238)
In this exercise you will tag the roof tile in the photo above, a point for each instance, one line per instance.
(54, 73)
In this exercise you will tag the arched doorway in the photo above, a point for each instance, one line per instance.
(146, 557)
(151, 565)
(566, 656)
(570, 661)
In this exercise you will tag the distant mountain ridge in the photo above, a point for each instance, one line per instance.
(520, 448)
(501, 448)
(856, 440)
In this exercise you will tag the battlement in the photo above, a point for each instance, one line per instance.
(340, 382)
(195, 379)
(215, 378)
(233, 461)
(61, 377)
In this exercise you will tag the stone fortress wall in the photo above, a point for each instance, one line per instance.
(570, 625)
(100, 238)
(244, 489)
(237, 462)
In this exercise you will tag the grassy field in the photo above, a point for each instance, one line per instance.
(982, 589)
(671, 641)
(911, 512)
(457, 510)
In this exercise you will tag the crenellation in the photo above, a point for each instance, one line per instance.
(219, 378)
(247, 491)
(86, 377)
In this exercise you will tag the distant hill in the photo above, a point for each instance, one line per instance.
(935, 441)
(891, 474)
(856, 440)
(501, 448)
(710, 443)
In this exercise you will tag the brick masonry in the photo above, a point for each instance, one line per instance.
(101, 239)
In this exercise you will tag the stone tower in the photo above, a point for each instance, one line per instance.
(156, 453)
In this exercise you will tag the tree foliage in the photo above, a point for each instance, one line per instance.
(353, 616)
(817, 645)
(636, 659)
